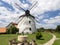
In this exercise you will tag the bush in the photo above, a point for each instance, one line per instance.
(38, 35)
(12, 30)
(41, 29)
(58, 29)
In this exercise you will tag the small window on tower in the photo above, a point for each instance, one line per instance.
(29, 21)
(30, 29)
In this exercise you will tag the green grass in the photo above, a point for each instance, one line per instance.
(4, 38)
(46, 36)
(57, 42)
(57, 34)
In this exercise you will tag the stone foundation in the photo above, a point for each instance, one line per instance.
(22, 40)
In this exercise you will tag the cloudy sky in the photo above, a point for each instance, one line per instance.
(47, 12)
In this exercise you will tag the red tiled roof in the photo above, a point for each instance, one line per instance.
(14, 23)
(2, 30)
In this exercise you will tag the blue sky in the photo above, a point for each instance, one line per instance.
(47, 12)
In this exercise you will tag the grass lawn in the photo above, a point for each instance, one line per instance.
(57, 35)
(4, 38)
(57, 42)
(46, 36)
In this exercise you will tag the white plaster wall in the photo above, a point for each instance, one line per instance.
(24, 25)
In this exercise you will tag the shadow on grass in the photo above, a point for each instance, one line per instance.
(41, 39)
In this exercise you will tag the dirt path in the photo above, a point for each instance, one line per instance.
(50, 42)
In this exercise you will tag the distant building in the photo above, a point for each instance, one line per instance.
(15, 24)
(4, 29)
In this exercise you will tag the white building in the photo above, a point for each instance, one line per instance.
(27, 24)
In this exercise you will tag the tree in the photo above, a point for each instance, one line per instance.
(41, 29)
(12, 30)
(58, 28)
(38, 35)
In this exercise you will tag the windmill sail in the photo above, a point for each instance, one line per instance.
(26, 22)
(19, 7)
(37, 21)
(33, 5)
(20, 19)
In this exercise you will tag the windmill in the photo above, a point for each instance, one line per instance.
(26, 22)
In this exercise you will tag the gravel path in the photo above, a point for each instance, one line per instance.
(50, 42)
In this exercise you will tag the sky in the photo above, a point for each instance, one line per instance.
(46, 12)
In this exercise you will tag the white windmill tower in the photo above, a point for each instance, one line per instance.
(26, 22)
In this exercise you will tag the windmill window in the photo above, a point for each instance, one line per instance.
(29, 21)
(30, 29)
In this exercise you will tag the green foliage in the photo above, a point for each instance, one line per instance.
(12, 30)
(41, 29)
(38, 35)
(58, 28)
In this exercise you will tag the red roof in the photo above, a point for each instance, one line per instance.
(2, 30)
(14, 23)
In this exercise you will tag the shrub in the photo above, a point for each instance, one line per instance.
(38, 35)
(58, 29)
(12, 30)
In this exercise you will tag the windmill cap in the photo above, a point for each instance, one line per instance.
(27, 11)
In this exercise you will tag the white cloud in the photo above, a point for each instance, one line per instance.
(46, 26)
(8, 1)
(52, 20)
(41, 7)
(7, 16)
(46, 5)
